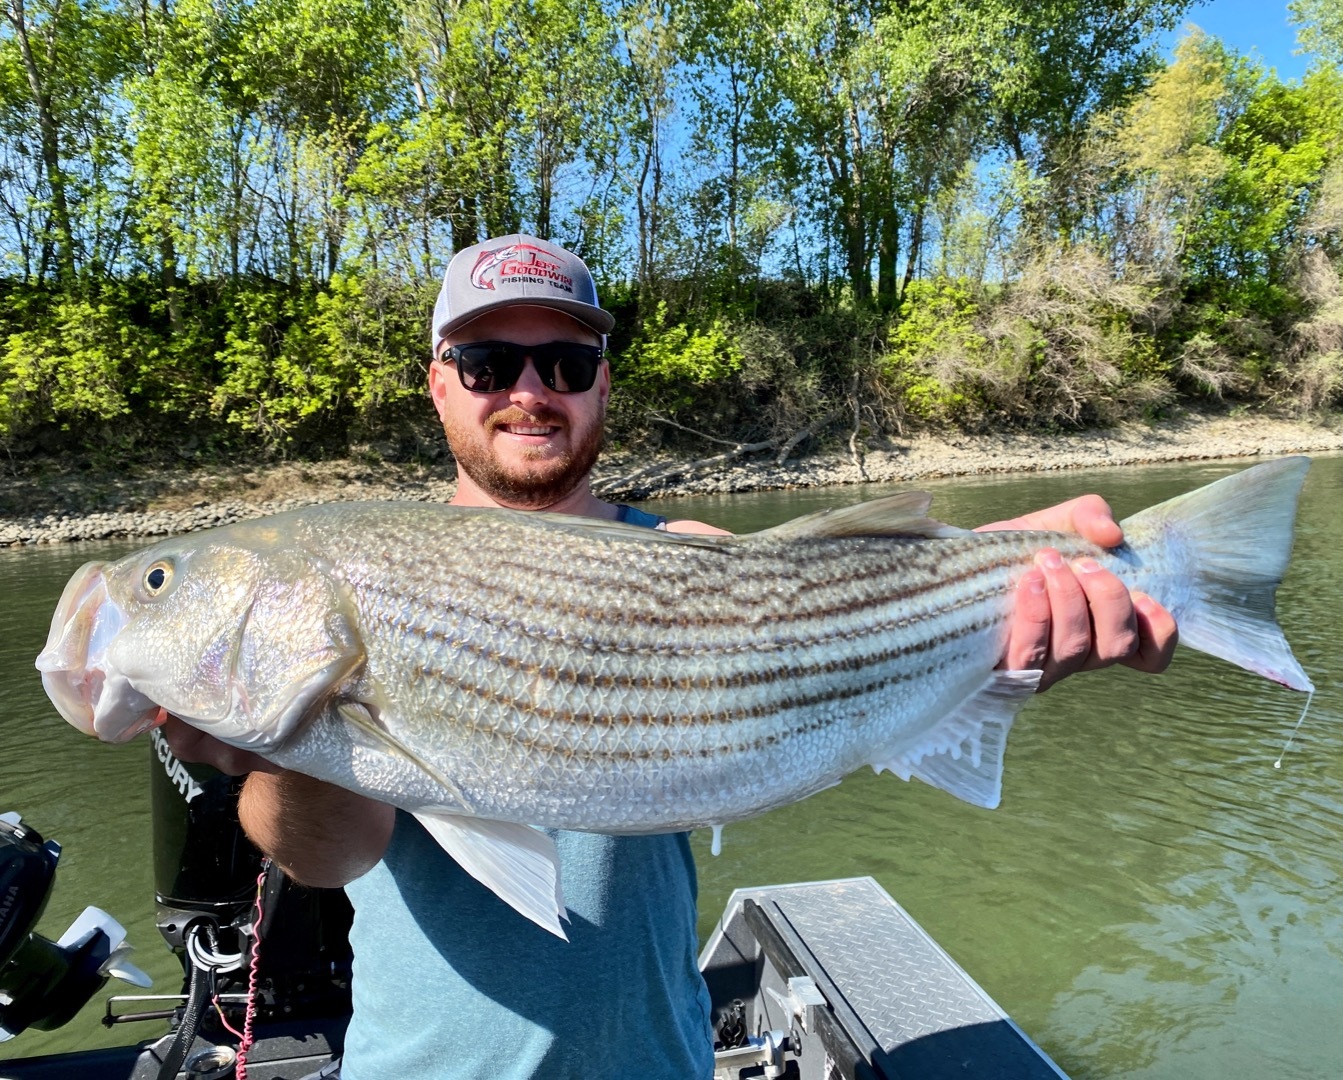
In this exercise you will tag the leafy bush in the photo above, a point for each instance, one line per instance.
(303, 368)
(670, 368)
(937, 354)
(67, 366)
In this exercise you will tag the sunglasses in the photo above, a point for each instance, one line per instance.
(491, 367)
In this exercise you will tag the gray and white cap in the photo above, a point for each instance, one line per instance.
(511, 271)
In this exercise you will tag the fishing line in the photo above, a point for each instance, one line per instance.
(1278, 764)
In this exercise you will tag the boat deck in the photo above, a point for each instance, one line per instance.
(860, 989)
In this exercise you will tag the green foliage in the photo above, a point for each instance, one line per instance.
(1277, 149)
(69, 368)
(935, 349)
(1321, 27)
(230, 215)
(297, 369)
(670, 366)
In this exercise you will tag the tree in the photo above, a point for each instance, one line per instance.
(67, 56)
(1321, 27)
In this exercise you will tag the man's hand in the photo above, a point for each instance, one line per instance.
(1082, 617)
(189, 744)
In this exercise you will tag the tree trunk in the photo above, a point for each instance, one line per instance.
(49, 134)
(888, 254)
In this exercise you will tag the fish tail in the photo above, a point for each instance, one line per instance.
(1236, 536)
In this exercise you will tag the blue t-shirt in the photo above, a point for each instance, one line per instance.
(450, 983)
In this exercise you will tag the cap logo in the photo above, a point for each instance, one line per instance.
(520, 264)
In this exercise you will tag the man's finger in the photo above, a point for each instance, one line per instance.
(1091, 518)
(192, 745)
(1028, 639)
(1157, 635)
(1088, 515)
(1114, 628)
(1070, 618)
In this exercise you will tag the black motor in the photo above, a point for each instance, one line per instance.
(43, 983)
(209, 882)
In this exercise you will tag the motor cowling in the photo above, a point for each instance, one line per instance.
(43, 983)
(206, 893)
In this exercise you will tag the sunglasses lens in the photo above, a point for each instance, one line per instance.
(575, 366)
(491, 367)
(487, 368)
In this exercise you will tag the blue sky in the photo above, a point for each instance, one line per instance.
(1251, 28)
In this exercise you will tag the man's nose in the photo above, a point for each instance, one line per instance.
(529, 382)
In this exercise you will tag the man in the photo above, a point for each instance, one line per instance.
(449, 981)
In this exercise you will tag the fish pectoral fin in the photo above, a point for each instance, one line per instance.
(517, 863)
(963, 753)
(363, 718)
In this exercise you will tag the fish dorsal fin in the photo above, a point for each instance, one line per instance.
(963, 753)
(517, 863)
(904, 514)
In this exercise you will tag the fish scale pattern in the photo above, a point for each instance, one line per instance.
(720, 678)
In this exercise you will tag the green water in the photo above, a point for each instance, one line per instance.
(1153, 899)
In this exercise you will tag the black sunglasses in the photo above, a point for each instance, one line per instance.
(491, 367)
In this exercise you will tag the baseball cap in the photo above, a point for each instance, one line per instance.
(515, 270)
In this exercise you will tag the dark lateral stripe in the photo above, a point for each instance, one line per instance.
(717, 681)
(536, 743)
(503, 601)
(600, 584)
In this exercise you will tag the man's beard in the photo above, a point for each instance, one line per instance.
(541, 482)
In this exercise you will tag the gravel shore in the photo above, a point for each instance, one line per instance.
(69, 506)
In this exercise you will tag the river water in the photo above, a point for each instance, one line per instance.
(1153, 898)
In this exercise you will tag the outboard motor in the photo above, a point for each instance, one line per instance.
(216, 899)
(43, 983)
(260, 949)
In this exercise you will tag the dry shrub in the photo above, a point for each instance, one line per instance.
(1208, 363)
(787, 395)
(1065, 338)
(1314, 372)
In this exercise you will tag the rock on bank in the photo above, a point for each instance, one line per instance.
(65, 507)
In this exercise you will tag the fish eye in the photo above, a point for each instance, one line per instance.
(157, 578)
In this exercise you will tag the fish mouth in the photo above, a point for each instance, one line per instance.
(75, 675)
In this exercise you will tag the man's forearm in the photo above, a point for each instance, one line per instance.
(320, 834)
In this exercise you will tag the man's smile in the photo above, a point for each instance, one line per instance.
(521, 424)
(527, 429)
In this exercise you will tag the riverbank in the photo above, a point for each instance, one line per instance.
(57, 507)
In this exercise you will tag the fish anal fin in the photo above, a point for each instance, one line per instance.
(517, 863)
(963, 753)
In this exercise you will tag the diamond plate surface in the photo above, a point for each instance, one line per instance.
(895, 978)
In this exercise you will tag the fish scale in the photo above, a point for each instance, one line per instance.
(489, 671)
(740, 669)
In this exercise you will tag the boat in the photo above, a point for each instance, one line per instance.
(808, 981)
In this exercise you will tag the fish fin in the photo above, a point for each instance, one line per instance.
(963, 753)
(517, 863)
(362, 717)
(1237, 533)
(904, 514)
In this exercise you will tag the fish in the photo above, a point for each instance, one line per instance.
(498, 672)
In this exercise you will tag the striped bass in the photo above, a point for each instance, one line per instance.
(493, 670)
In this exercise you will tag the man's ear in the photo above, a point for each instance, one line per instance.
(438, 387)
(604, 382)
